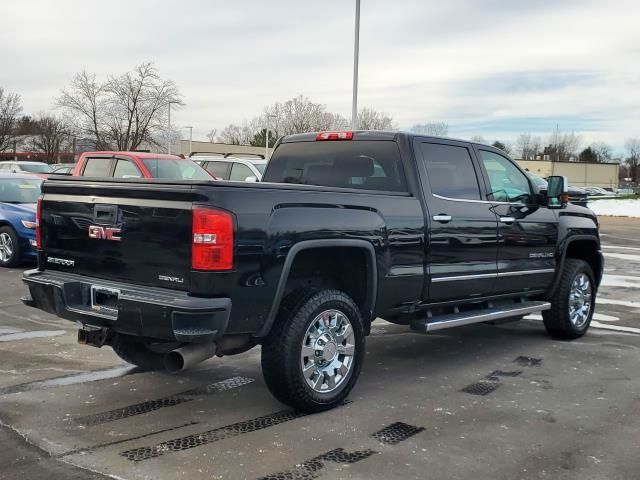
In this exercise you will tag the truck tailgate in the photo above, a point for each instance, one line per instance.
(125, 232)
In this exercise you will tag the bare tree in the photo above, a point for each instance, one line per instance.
(602, 151)
(479, 139)
(527, 146)
(125, 111)
(10, 108)
(231, 135)
(370, 119)
(563, 146)
(633, 160)
(433, 129)
(52, 137)
(211, 136)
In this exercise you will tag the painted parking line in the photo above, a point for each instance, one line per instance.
(11, 337)
(616, 328)
(84, 377)
(623, 256)
(620, 281)
(619, 247)
(622, 303)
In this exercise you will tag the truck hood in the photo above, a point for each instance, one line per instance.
(27, 209)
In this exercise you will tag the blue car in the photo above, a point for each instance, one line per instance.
(18, 201)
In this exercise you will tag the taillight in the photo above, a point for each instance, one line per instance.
(38, 223)
(212, 240)
(334, 136)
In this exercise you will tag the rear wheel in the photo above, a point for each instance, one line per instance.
(573, 302)
(146, 355)
(9, 247)
(313, 355)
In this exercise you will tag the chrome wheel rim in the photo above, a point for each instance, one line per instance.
(6, 247)
(328, 349)
(580, 300)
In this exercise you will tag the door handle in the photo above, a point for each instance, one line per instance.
(443, 218)
(507, 219)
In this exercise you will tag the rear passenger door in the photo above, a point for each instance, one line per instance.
(218, 169)
(97, 167)
(462, 248)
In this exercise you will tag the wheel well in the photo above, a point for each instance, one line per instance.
(587, 250)
(343, 268)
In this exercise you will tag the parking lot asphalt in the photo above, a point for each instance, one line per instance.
(483, 402)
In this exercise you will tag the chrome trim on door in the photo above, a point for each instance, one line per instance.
(526, 272)
(492, 275)
(466, 200)
(463, 277)
(442, 218)
(507, 219)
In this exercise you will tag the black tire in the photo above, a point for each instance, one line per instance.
(282, 349)
(138, 353)
(7, 234)
(557, 320)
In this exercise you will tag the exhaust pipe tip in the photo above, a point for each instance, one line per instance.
(185, 357)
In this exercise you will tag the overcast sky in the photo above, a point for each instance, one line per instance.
(486, 67)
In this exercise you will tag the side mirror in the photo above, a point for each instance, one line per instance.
(251, 179)
(557, 192)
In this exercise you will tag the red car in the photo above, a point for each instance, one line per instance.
(138, 165)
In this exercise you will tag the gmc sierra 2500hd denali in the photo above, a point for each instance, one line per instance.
(347, 227)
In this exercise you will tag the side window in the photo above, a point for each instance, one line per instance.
(450, 171)
(218, 169)
(5, 166)
(507, 182)
(96, 167)
(239, 172)
(126, 169)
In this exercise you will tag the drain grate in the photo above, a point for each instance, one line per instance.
(501, 373)
(396, 433)
(152, 405)
(482, 387)
(210, 436)
(528, 361)
(311, 468)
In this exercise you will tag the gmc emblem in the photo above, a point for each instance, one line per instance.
(105, 233)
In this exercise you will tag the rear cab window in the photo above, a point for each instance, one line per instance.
(361, 164)
(175, 169)
(97, 167)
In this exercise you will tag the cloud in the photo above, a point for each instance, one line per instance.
(494, 67)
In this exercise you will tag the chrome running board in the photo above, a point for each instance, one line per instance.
(449, 320)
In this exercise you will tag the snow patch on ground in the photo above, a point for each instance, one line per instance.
(616, 208)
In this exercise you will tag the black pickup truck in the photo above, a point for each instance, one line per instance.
(346, 227)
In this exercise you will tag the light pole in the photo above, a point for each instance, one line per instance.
(266, 138)
(356, 48)
(190, 139)
(169, 130)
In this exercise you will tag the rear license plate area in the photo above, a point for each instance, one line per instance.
(105, 300)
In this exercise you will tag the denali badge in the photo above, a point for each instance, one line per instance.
(104, 233)
(61, 261)
(541, 255)
(167, 278)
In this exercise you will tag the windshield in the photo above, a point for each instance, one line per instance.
(35, 167)
(176, 169)
(19, 190)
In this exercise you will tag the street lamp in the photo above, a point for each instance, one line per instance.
(266, 138)
(356, 48)
(169, 130)
(190, 139)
